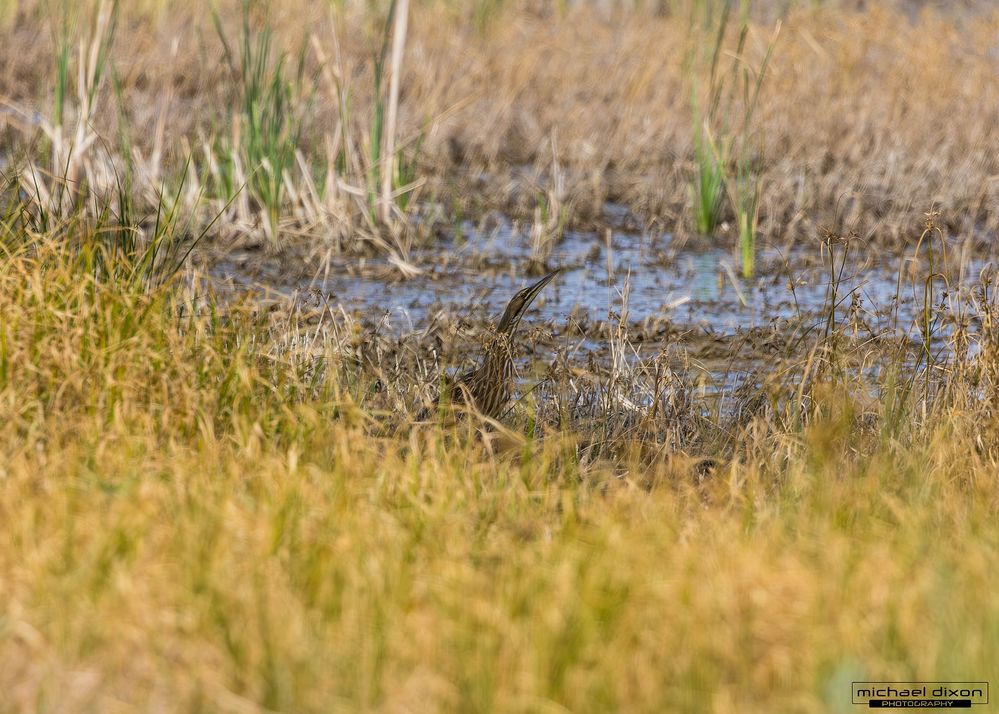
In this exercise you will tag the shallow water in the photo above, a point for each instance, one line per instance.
(629, 276)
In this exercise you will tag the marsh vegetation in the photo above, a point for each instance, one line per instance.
(754, 454)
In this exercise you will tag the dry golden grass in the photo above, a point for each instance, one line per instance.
(868, 118)
(199, 519)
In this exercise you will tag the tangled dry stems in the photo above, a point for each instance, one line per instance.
(861, 126)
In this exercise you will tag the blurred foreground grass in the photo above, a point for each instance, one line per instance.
(196, 521)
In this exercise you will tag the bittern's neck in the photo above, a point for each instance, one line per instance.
(508, 323)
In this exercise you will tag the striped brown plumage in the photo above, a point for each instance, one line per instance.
(488, 386)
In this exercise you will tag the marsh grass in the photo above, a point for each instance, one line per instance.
(227, 504)
(254, 166)
(474, 108)
(267, 130)
(727, 146)
(707, 189)
(215, 505)
(74, 165)
(210, 504)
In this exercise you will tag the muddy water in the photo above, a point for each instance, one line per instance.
(694, 287)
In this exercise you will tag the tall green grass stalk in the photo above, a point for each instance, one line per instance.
(269, 125)
(376, 137)
(63, 45)
(723, 136)
(707, 189)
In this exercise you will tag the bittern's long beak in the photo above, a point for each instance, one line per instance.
(521, 301)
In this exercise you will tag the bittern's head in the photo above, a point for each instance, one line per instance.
(520, 302)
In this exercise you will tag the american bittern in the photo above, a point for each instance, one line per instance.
(487, 387)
